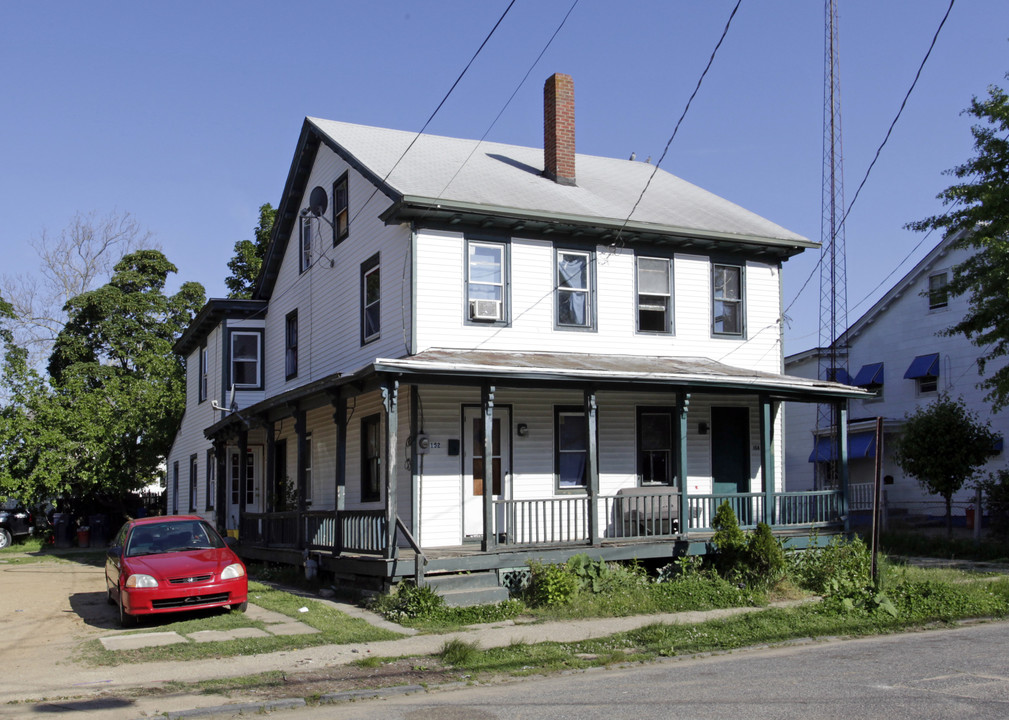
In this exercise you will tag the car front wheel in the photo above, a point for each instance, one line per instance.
(5, 538)
(125, 619)
(240, 608)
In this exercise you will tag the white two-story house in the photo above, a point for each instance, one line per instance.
(460, 351)
(898, 351)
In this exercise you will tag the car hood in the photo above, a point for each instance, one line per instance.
(183, 564)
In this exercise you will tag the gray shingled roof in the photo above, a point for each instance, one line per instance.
(495, 175)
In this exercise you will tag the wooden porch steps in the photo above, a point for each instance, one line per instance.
(465, 589)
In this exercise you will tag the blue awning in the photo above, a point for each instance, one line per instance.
(870, 375)
(838, 374)
(923, 366)
(860, 445)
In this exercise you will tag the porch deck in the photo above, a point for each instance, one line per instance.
(644, 525)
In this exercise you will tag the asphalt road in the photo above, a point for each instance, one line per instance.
(961, 673)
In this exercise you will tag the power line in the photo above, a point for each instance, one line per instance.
(662, 157)
(880, 148)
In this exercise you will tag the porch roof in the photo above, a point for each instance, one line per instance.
(545, 369)
(611, 371)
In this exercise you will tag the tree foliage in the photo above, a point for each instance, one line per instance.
(105, 418)
(978, 208)
(943, 445)
(249, 254)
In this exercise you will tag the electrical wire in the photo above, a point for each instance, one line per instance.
(662, 157)
(907, 95)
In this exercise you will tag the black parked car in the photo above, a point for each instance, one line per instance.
(15, 521)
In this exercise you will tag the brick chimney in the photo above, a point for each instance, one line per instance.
(559, 129)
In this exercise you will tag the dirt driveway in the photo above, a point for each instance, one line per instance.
(46, 610)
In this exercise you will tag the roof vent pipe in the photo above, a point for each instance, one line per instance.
(559, 129)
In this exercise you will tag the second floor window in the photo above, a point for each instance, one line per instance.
(204, 374)
(938, 294)
(727, 299)
(291, 345)
(655, 295)
(341, 215)
(245, 357)
(371, 299)
(574, 290)
(485, 281)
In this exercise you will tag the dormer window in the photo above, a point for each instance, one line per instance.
(246, 359)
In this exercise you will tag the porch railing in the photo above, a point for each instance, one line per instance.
(555, 521)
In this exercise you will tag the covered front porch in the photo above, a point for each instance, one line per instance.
(634, 513)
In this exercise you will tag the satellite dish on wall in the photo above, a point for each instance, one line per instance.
(318, 201)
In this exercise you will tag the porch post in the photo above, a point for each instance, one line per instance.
(415, 462)
(682, 403)
(300, 431)
(220, 492)
(339, 403)
(591, 465)
(270, 472)
(390, 401)
(243, 475)
(842, 454)
(767, 456)
(489, 541)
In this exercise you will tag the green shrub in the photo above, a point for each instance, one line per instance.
(765, 558)
(409, 602)
(838, 565)
(551, 584)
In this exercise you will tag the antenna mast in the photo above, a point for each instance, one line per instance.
(833, 279)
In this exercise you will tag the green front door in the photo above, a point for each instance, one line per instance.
(730, 456)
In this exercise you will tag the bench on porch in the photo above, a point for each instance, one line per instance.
(648, 511)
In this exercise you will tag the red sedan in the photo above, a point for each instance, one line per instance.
(172, 564)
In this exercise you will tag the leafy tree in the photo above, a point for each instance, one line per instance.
(943, 445)
(978, 206)
(248, 259)
(106, 416)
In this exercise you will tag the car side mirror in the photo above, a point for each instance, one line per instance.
(115, 552)
(230, 541)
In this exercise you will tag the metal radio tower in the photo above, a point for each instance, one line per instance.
(833, 280)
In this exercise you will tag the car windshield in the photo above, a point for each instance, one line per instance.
(175, 536)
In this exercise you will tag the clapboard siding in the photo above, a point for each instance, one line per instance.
(441, 307)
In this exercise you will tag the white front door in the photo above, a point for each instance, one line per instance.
(473, 464)
(252, 484)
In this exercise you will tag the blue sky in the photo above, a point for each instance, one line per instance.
(186, 114)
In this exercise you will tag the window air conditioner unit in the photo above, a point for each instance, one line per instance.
(485, 310)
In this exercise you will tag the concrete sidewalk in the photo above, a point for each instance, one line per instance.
(111, 692)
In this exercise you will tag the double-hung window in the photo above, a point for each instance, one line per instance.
(192, 482)
(371, 459)
(570, 448)
(656, 446)
(727, 299)
(306, 243)
(938, 293)
(204, 374)
(486, 273)
(574, 289)
(246, 351)
(291, 345)
(341, 215)
(655, 295)
(211, 480)
(371, 299)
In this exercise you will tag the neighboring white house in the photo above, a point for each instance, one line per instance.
(437, 317)
(897, 350)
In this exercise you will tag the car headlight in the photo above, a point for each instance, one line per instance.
(141, 581)
(235, 570)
